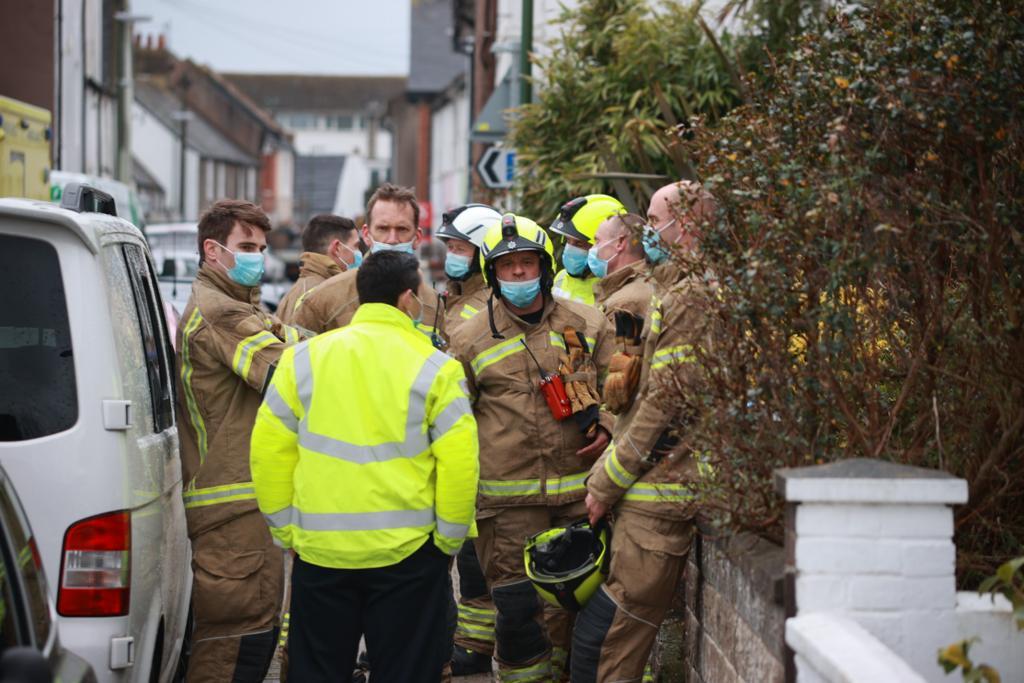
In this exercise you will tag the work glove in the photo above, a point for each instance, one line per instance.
(580, 378)
(624, 368)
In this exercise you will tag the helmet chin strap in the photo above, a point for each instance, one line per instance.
(490, 318)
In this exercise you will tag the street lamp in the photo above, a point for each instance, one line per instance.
(125, 94)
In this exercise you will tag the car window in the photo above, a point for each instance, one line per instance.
(21, 559)
(38, 394)
(154, 340)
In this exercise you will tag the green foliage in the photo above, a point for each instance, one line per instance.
(622, 72)
(869, 260)
(957, 656)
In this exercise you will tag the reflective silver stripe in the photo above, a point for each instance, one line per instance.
(572, 482)
(446, 528)
(280, 409)
(215, 495)
(449, 416)
(303, 377)
(416, 440)
(524, 487)
(350, 521)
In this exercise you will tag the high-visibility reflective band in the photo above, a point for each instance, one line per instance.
(497, 352)
(467, 312)
(659, 493)
(558, 340)
(215, 495)
(477, 615)
(416, 441)
(298, 302)
(281, 410)
(291, 334)
(247, 349)
(673, 355)
(351, 521)
(285, 620)
(619, 474)
(538, 673)
(513, 487)
(655, 314)
(186, 381)
(450, 529)
(475, 632)
(567, 484)
(425, 328)
(449, 416)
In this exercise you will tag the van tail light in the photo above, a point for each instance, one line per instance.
(95, 573)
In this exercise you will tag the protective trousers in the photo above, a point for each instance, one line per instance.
(531, 642)
(616, 630)
(475, 628)
(237, 581)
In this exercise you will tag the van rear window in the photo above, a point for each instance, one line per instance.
(37, 369)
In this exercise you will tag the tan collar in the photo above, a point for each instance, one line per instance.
(471, 285)
(318, 264)
(619, 279)
(216, 277)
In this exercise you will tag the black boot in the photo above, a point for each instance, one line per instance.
(467, 662)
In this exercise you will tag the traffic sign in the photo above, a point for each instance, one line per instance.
(497, 167)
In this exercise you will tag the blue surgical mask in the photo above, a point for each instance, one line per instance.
(456, 265)
(520, 294)
(358, 258)
(654, 247)
(574, 259)
(406, 247)
(598, 266)
(248, 268)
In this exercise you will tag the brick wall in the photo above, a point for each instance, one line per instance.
(727, 623)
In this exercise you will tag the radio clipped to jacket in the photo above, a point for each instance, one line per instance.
(553, 389)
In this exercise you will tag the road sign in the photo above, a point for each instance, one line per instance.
(497, 167)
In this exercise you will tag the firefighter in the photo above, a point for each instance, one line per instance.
(623, 294)
(462, 230)
(392, 224)
(330, 245)
(577, 222)
(364, 461)
(227, 350)
(642, 475)
(540, 439)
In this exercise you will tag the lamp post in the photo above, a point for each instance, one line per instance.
(125, 94)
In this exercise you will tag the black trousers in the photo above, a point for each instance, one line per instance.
(401, 609)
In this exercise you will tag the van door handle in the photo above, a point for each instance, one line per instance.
(117, 415)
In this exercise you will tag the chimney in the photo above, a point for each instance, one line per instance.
(161, 42)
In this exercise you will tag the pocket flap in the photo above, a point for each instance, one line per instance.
(230, 564)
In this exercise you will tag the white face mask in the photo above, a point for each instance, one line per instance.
(406, 247)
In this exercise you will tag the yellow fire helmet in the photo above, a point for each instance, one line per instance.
(566, 565)
(511, 234)
(580, 218)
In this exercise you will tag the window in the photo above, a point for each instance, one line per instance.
(341, 122)
(38, 394)
(154, 340)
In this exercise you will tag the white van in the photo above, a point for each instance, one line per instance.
(87, 431)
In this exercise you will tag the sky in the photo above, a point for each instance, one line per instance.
(343, 37)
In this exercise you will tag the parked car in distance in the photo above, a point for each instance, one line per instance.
(87, 432)
(29, 641)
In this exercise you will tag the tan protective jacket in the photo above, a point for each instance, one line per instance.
(464, 300)
(626, 474)
(526, 456)
(627, 289)
(333, 302)
(227, 349)
(315, 269)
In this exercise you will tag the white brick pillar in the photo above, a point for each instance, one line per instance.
(873, 541)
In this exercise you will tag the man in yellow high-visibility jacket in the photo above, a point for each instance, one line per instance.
(365, 462)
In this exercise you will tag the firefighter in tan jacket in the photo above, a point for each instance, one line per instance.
(642, 475)
(462, 230)
(330, 245)
(392, 223)
(536, 445)
(227, 350)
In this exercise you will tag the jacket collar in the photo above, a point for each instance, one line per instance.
(504, 318)
(619, 279)
(667, 273)
(381, 313)
(217, 278)
(320, 265)
(471, 285)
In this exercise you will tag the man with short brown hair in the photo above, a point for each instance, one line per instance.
(228, 347)
(392, 223)
(330, 245)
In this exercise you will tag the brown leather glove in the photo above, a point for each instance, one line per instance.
(580, 377)
(621, 385)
